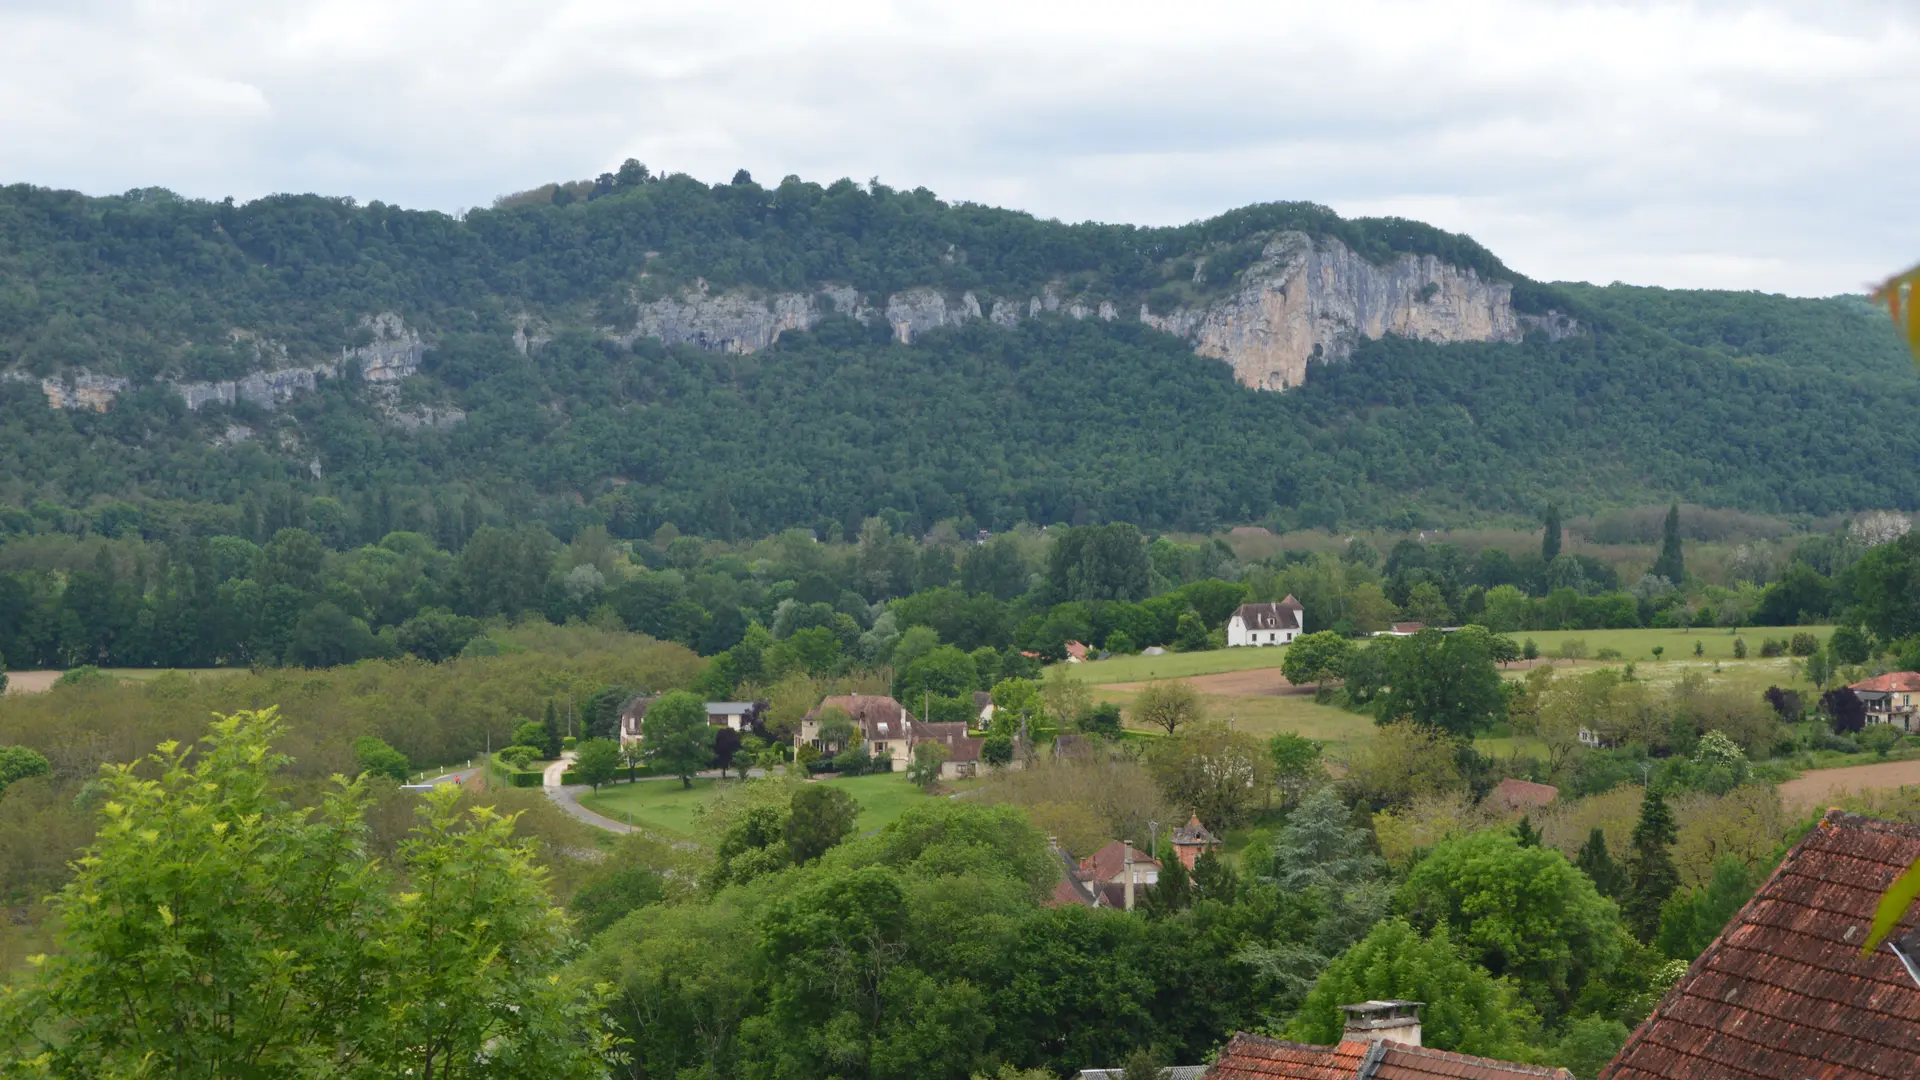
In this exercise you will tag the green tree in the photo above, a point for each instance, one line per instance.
(924, 771)
(1598, 864)
(943, 672)
(213, 930)
(997, 750)
(1168, 705)
(1296, 764)
(1442, 681)
(1210, 770)
(821, 817)
(1191, 634)
(1316, 658)
(1522, 912)
(1550, 536)
(20, 762)
(1651, 876)
(1847, 646)
(1467, 1010)
(531, 733)
(1690, 920)
(676, 736)
(376, 758)
(596, 761)
(1671, 564)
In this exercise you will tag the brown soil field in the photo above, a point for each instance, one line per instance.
(1819, 787)
(30, 682)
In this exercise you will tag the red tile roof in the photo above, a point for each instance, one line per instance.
(1895, 681)
(1784, 992)
(1408, 627)
(876, 715)
(1110, 862)
(1194, 834)
(1516, 794)
(1251, 1057)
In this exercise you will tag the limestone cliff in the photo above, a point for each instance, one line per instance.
(1304, 300)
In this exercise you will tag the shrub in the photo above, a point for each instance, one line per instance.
(1608, 654)
(1770, 648)
(1573, 649)
(1739, 648)
(1530, 649)
(520, 757)
(568, 742)
(997, 750)
(1881, 738)
(1804, 644)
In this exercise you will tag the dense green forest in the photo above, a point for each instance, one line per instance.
(1737, 400)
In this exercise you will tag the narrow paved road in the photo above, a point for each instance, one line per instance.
(567, 797)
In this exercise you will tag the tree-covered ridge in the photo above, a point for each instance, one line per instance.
(148, 283)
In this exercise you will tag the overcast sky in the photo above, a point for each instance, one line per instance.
(1731, 145)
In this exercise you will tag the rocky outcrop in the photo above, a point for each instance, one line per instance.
(1302, 300)
(83, 391)
(1305, 300)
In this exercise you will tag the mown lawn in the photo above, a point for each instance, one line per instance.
(1120, 669)
(1637, 645)
(1267, 714)
(665, 806)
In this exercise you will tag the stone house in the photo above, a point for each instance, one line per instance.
(1192, 840)
(1266, 624)
(883, 724)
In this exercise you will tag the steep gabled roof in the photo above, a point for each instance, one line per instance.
(1110, 862)
(1284, 615)
(1252, 1057)
(876, 715)
(1784, 992)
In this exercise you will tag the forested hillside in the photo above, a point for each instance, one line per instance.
(1741, 400)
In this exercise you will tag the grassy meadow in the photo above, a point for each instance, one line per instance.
(667, 807)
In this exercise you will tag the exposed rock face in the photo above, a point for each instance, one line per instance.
(1300, 301)
(392, 355)
(83, 391)
(1304, 300)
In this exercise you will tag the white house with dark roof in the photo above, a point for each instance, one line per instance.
(1266, 624)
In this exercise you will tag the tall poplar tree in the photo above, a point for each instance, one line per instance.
(1671, 565)
(1550, 538)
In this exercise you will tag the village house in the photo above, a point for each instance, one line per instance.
(883, 724)
(1192, 840)
(739, 715)
(1381, 1042)
(1890, 698)
(1784, 992)
(1266, 624)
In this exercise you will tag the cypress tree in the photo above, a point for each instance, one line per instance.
(552, 723)
(1550, 539)
(1595, 861)
(1671, 565)
(1651, 877)
(1525, 833)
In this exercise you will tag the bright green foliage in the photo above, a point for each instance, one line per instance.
(1692, 919)
(1651, 876)
(1442, 681)
(520, 757)
(1847, 646)
(213, 930)
(596, 761)
(944, 671)
(1590, 1042)
(1467, 1010)
(531, 733)
(928, 757)
(1168, 705)
(1011, 699)
(1521, 912)
(821, 817)
(1296, 763)
(1316, 658)
(378, 759)
(676, 737)
(1191, 634)
(20, 762)
(632, 876)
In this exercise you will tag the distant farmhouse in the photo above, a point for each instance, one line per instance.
(1890, 698)
(1266, 624)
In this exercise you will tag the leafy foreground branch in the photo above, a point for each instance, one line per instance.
(211, 930)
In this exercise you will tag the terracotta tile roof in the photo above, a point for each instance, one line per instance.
(1892, 681)
(1408, 627)
(1251, 1057)
(1110, 862)
(1284, 615)
(1784, 992)
(1516, 794)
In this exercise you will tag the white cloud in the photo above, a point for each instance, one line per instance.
(1701, 144)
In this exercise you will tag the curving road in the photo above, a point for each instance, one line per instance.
(567, 797)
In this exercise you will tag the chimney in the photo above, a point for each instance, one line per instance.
(1129, 864)
(1383, 1021)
